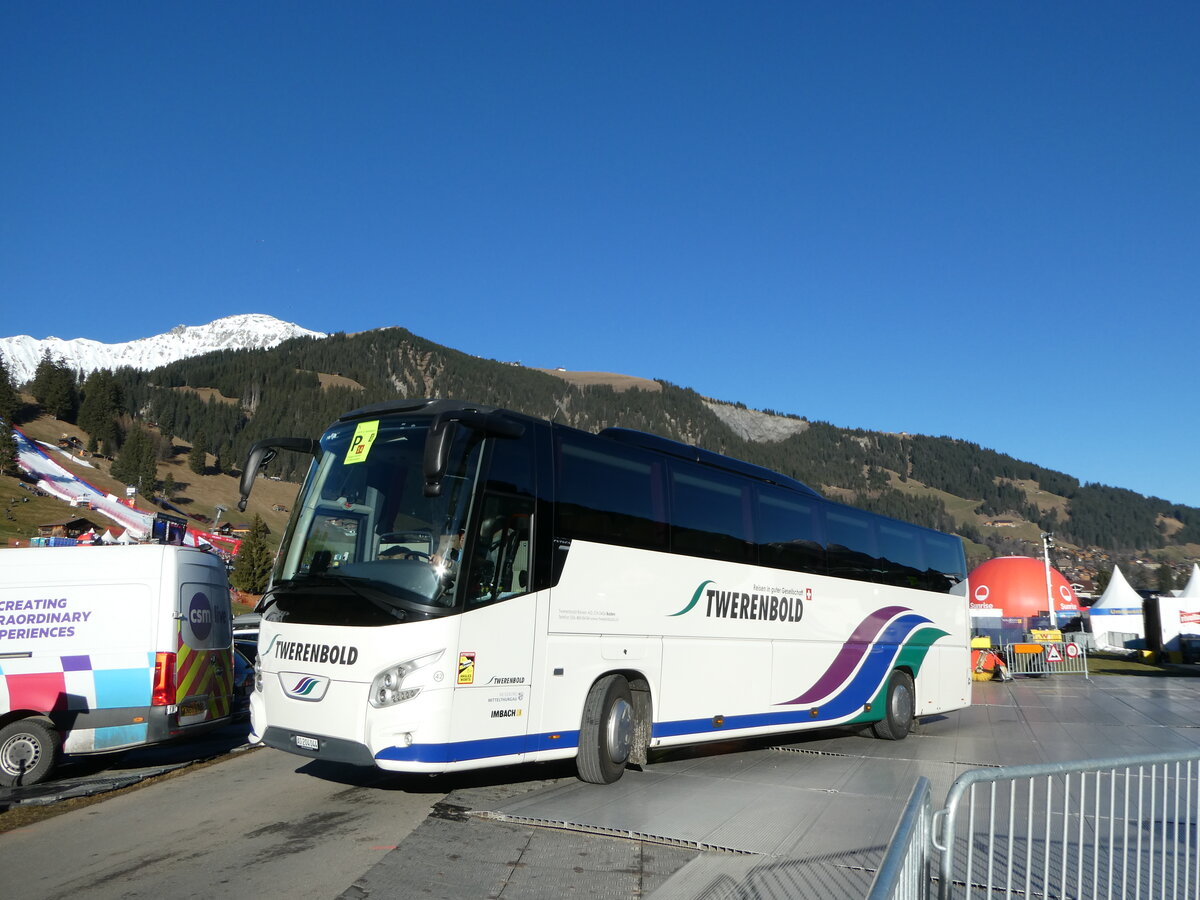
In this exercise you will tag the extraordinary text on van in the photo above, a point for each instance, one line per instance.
(301, 651)
(39, 613)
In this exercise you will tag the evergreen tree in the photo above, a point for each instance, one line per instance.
(252, 570)
(137, 464)
(124, 467)
(54, 388)
(1166, 578)
(147, 475)
(8, 451)
(168, 487)
(98, 412)
(196, 461)
(10, 402)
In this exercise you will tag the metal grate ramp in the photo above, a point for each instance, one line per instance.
(793, 816)
(812, 818)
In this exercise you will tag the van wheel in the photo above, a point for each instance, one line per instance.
(606, 734)
(28, 751)
(899, 706)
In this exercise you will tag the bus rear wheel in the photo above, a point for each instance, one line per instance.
(899, 707)
(606, 733)
(28, 751)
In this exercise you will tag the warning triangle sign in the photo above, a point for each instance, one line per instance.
(1052, 655)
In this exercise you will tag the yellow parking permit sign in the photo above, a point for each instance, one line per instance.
(360, 444)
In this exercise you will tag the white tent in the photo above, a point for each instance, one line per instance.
(1117, 612)
(126, 538)
(108, 537)
(1192, 589)
(1180, 615)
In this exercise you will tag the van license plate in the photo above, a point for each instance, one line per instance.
(193, 707)
(307, 743)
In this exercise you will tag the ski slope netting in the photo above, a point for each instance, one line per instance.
(65, 485)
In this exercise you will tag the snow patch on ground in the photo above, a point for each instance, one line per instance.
(754, 425)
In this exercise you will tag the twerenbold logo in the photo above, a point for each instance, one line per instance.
(785, 607)
(304, 686)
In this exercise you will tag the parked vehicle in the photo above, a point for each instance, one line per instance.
(243, 678)
(108, 648)
(245, 626)
(248, 648)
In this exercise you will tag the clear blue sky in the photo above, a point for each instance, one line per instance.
(975, 219)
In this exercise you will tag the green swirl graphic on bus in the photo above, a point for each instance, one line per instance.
(694, 601)
(304, 687)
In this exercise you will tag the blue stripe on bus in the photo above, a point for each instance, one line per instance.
(848, 703)
(481, 749)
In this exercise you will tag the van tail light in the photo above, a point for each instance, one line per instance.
(164, 680)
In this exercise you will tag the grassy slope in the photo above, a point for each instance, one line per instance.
(200, 494)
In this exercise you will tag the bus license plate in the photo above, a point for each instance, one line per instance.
(307, 743)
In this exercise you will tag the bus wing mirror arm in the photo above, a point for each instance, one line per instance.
(262, 452)
(437, 444)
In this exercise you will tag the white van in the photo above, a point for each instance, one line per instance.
(107, 648)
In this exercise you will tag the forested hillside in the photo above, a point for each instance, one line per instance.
(224, 401)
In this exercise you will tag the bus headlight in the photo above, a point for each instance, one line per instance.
(388, 687)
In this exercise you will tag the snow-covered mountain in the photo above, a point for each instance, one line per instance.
(254, 330)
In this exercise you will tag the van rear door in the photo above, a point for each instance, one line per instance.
(204, 655)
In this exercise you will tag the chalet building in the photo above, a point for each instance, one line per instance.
(68, 528)
(241, 530)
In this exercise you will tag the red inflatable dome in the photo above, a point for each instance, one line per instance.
(1016, 586)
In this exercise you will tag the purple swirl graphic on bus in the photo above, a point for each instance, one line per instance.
(304, 686)
(879, 631)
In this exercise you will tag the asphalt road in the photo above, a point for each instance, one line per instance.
(258, 824)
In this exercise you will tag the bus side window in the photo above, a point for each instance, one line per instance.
(499, 563)
(710, 513)
(788, 529)
(944, 557)
(609, 493)
(901, 559)
(510, 465)
(851, 550)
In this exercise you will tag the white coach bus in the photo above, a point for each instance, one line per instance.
(461, 586)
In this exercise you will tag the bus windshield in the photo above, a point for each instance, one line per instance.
(363, 529)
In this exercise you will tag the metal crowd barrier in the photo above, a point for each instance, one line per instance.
(1046, 658)
(905, 871)
(1124, 827)
(1120, 827)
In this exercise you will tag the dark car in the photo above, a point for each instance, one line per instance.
(243, 679)
(247, 646)
(245, 626)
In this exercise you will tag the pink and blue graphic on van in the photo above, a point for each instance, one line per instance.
(300, 686)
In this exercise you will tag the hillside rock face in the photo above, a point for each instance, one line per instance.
(253, 331)
(753, 425)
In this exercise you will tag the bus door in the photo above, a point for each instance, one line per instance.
(496, 635)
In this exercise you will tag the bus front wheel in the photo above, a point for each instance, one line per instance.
(606, 733)
(28, 751)
(899, 706)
